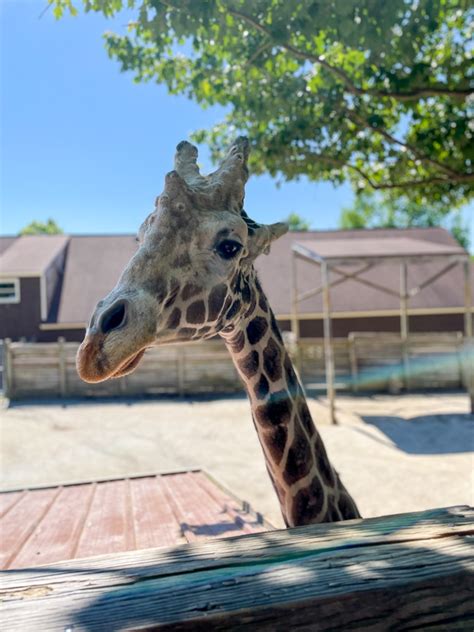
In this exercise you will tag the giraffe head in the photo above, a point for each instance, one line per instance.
(185, 281)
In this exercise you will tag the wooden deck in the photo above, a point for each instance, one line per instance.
(406, 572)
(57, 523)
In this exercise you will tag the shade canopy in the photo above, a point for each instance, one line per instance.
(388, 248)
(366, 253)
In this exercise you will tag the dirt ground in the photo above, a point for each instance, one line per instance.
(394, 453)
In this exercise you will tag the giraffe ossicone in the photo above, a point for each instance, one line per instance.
(192, 278)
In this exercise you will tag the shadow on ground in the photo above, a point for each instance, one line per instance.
(427, 434)
(125, 401)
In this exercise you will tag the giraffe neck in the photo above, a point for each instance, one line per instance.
(307, 486)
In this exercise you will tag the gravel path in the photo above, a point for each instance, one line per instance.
(395, 453)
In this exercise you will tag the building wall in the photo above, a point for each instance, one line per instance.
(314, 328)
(70, 335)
(341, 327)
(21, 320)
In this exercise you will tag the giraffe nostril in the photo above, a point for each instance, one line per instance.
(113, 318)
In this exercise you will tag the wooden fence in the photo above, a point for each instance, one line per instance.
(363, 362)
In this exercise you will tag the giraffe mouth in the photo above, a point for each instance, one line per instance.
(129, 365)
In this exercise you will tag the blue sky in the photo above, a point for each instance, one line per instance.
(85, 145)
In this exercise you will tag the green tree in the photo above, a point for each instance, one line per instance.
(369, 91)
(49, 227)
(296, 222)
(375, 211)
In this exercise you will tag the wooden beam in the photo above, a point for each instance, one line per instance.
(467, 300)
(62, 374)
(416, 290)
(7, 369)
(328, 350)
(409, 571)
(404, 320)
(295, 322)
(345, 276)
(294, 298)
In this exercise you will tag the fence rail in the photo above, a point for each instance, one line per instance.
(363, 362)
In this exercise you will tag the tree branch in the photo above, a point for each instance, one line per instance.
(424, 91)
(341, 164)
(420, 182)
(353, 116)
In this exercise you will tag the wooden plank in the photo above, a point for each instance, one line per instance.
(100, 571)
(107, 525)
(203, 518)
(140, 516)
(8, 501)
(20, 521)
(395, 572)
(247, 521)
(60, 529)
(154, 523)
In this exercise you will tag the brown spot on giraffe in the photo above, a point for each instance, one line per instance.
(275, 442)
(261, 388)
(172, 294)
(272, 361)
(196, 313)
(204, 330)
(234, 310)
(186, 332)
(251, 308)
(333, 514)
(298, 461)
(347, 506)
(305, 416)
(262, 303)
(308, 503)
(325, 468)
(174, 319)
(276, 411)
(291, 379)
(190, 290)
(246, 294)
(275, 329)
(262, 299)
(237, 342)
(249, 364)
(256, 329)
(216, 300)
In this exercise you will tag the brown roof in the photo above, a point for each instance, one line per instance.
(93, 267)
(94, 264)
(53, 524)
(384, 246)
(30, 255)
(6, 242)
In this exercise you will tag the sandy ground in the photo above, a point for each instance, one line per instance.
(395, 453)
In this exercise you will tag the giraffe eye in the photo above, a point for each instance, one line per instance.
(228, 249)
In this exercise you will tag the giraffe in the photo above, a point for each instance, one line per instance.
(192, 278)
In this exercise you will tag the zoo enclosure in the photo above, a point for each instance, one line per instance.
(340, 261)
(361, 362)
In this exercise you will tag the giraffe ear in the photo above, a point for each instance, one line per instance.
(261, 237)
